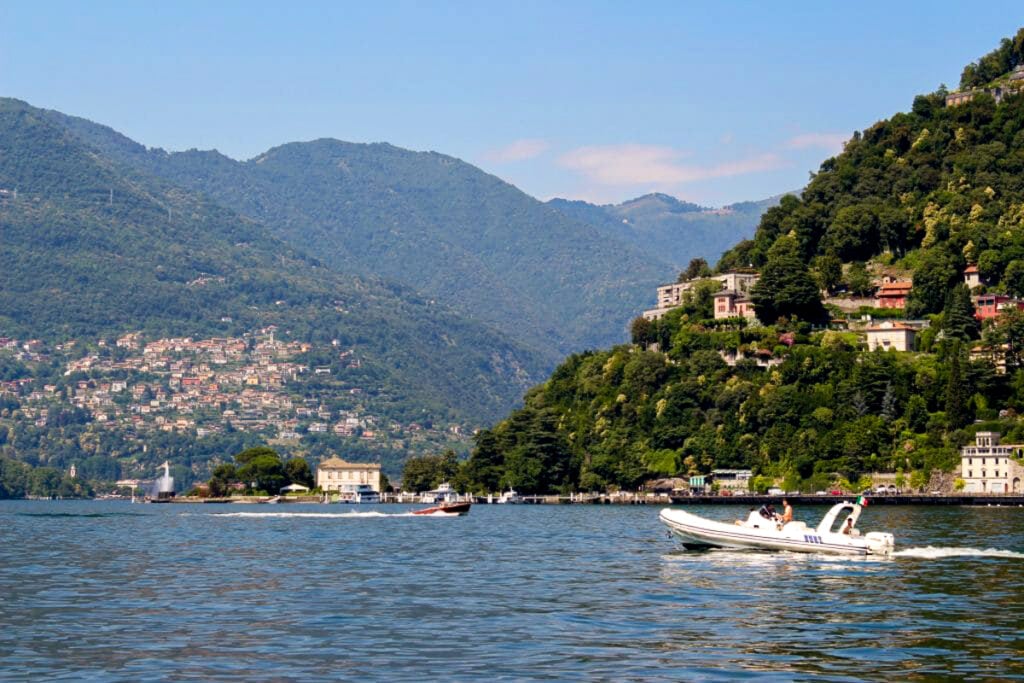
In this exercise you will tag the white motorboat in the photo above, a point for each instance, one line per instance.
(763, 533)
(509, 496)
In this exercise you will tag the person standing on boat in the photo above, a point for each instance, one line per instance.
(787, 512)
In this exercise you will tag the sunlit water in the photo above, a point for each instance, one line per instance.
(114, 591)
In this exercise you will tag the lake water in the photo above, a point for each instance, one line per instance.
(113, 591)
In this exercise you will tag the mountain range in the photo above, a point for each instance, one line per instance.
(445, 275)
(668, 230)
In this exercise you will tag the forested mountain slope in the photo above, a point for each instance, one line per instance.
(92, 248)
(805, 405)
(925, 193)
(439, 225)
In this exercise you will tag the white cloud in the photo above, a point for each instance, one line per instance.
(520, 150)
(830, 142)
(655, 165)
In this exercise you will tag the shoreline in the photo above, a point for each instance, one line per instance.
(962, 500)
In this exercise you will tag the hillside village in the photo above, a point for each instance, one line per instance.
(197, 388)
(857, 313)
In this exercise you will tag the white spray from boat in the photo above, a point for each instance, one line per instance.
(327, 515)
(933, 553)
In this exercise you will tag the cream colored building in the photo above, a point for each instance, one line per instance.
(334, 474)
(991, 467)
(891, 335)
(732, 480)
(738, 282)
(671, 295)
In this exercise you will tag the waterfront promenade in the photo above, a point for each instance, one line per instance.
(642, 498)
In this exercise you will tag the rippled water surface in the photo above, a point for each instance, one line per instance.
(114, 591)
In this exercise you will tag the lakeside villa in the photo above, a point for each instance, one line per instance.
(337, 475)
(991, 467)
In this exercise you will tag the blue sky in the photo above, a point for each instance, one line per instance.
(712, 102)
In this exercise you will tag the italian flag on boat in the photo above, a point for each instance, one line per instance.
(862, 501)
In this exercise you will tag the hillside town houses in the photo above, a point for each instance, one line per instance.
(203, 386)
(890, 293)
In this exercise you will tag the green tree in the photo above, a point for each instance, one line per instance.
(932, 281)
(958, 321)
(419, 474)
(426, 472)
(261, 469)
(854, 232)
(43, 482)
(297, 472)
(786, 288)
(1013, 278)
(697, 268)
(250, 454)
(957, 393)
(643, 331)
(221, 479)
(828, 271)
(482, 472)
(858, 279)
(916, 413)
(1005, 338)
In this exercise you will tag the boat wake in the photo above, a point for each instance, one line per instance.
(933, 553)
(326, 515)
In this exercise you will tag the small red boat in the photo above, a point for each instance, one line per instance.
(447, 508)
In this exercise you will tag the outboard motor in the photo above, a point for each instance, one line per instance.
(880, 543)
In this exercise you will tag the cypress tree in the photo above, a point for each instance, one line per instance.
(956, 392)
(958, 321)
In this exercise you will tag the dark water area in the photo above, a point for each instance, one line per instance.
(110, 591)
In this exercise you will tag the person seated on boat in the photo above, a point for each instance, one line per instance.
(848, 527)
(787, 512)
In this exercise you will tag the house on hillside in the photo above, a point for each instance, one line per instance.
(733, 304)
(893, 294)
(989, 306)
(972, 277)
(1013, 84)
(891, 335)
(991, 467)
(670, 295)
(994, 355)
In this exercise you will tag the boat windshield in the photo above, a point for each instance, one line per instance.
(842, 511)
